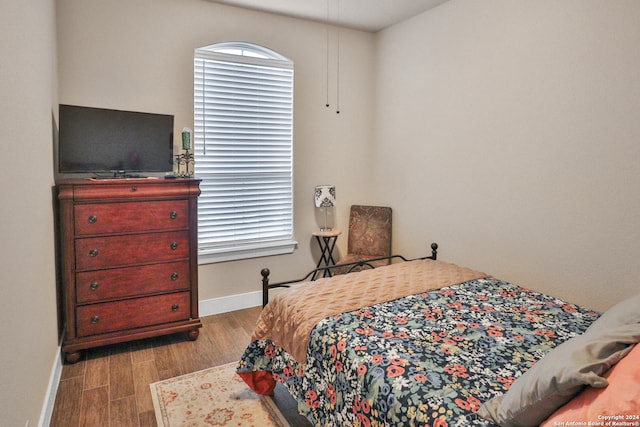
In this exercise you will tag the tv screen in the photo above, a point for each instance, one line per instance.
(99, 140)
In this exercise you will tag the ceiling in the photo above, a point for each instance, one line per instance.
(366, 15)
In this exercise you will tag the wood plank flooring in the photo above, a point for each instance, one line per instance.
(109, 386)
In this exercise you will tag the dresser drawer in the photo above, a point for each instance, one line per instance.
(99, 285)
(127, 250)
(131, 189)
(132, 313)
(125, 217)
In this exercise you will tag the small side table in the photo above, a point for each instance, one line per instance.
(327, 242)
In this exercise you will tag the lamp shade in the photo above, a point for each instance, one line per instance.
(325, 196)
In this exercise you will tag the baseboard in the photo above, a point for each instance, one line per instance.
(205, 307)
(52, 389)
(229, 303)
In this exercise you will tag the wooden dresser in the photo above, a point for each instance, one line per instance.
(129, 260)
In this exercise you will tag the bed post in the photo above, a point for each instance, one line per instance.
(265, 286)
(434, 251)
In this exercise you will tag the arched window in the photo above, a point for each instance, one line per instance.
(243, 150)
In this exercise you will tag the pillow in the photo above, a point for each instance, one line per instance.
(566, 369)
(623, 313)
(620, 397)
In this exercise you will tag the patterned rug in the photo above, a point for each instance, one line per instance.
(212, 397)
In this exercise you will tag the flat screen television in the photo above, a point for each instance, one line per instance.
(102, 141)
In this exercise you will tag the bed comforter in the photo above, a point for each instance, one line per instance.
(429, 357)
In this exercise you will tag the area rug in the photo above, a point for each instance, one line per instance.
(212, 397)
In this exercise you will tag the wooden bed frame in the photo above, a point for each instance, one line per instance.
(328, 271)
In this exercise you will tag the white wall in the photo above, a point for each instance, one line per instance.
(28, 321)
(509, 132)
(138, 55)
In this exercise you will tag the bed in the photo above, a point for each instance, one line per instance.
(428, 343)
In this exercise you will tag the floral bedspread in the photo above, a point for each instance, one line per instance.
(428, 359)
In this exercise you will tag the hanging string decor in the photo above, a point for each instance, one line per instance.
(337, 54)
(327, 53)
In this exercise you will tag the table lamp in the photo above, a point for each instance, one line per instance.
(325, 197)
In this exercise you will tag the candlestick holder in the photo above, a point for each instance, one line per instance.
(185, 159)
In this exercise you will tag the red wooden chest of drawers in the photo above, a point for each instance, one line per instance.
(128, 260)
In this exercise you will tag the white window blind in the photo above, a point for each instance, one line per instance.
(243, 150)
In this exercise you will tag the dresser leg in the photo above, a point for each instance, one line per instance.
(193, 334)
(72, 357)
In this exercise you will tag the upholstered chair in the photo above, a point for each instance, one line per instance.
(369, 234)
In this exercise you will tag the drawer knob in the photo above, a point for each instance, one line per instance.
(93, 219)
(93, 253)
(174, 245)
(173, 215)
(93, 286)
(95, 319)
(174, 276)
(134, 188)
(175, 307)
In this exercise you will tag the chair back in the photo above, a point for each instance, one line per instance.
(369, 231)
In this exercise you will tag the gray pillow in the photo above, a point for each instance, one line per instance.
(566, 369)
(624, 313)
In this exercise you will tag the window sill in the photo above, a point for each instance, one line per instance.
(210, 256)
